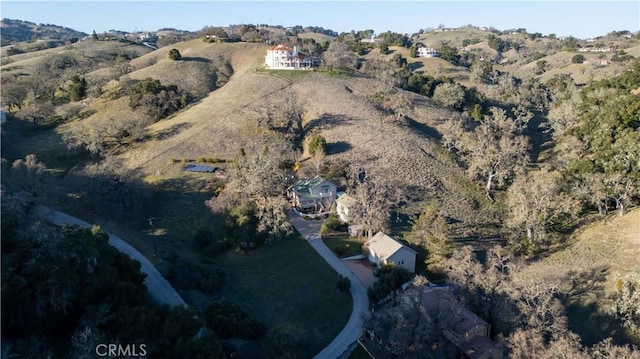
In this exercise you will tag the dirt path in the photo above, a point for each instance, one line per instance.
(159, 288)
(343, 343)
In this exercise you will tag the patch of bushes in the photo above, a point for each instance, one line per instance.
(187, 276)
(343, 284)
(317, 143)
(577, 59)
(215, 160)
(332, 223)
(228, 320)
(207, 241)
(157, 100)
(391, 278)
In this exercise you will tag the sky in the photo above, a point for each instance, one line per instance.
(582, 19)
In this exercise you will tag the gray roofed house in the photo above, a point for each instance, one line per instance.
(386, 250)
(316, 194)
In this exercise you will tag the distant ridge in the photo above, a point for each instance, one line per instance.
(14, 31)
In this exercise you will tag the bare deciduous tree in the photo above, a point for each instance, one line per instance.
(103, 137)
(536, 202)
(26, 178)
(449, 95)
(496, 150)
(339, 56)
(261, 178)
(374, 198)
(627, 302)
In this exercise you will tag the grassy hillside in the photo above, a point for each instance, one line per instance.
(454, 38)
(357, 127)
(587, 269)
(14, 31)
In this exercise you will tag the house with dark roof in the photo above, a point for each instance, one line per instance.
(283, 57)
(312, 195)
(460, 326)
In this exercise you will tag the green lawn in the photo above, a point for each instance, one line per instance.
(359, 353)
(291, 75)
(288, 282)
(343, 245)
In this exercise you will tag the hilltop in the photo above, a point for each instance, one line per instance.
(15, 31)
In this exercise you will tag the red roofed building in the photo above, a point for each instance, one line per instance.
(287, 58)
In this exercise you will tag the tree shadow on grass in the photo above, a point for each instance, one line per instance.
(415, 65)
(196, 59)
(334, 148)
(585, 316)
(425, 130)
(169, 132)
(326, 121)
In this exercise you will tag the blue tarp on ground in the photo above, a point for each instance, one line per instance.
(199, 168)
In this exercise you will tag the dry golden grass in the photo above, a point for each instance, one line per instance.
(318, 37)
(587, 269)
(338, 108)
(614, 243)
(432, 66)
(455, 38)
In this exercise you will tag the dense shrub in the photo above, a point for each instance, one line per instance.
(316, 143)
(157, 100)
(577, 59)
(391, 278)
(174, 54)
(343, 284)
(187, 276)
(332, 223)
(228, 320)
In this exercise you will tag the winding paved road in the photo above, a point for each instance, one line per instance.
(342, 344)
(159, 289)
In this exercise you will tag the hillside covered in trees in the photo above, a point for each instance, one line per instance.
(496, 161)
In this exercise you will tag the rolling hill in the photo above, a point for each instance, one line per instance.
(14, 31)
(358, 129)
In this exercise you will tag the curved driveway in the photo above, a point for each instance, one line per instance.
(159, 289)
(342, 344)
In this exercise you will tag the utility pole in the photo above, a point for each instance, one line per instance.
(153, 235)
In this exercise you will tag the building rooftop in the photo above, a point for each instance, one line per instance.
(442, 300)
(385, 246)
(346, 200)
(478, 346)
(282, 47)
(199, 168)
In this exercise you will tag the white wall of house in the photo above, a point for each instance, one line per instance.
(343, 212)
(287, 59)
(325, 189)
(428, 52)
(374, 258)
(405, 258)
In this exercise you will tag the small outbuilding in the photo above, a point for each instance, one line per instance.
(199, 168)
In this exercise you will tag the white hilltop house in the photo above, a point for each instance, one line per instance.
(428, 52)
(283, 57)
